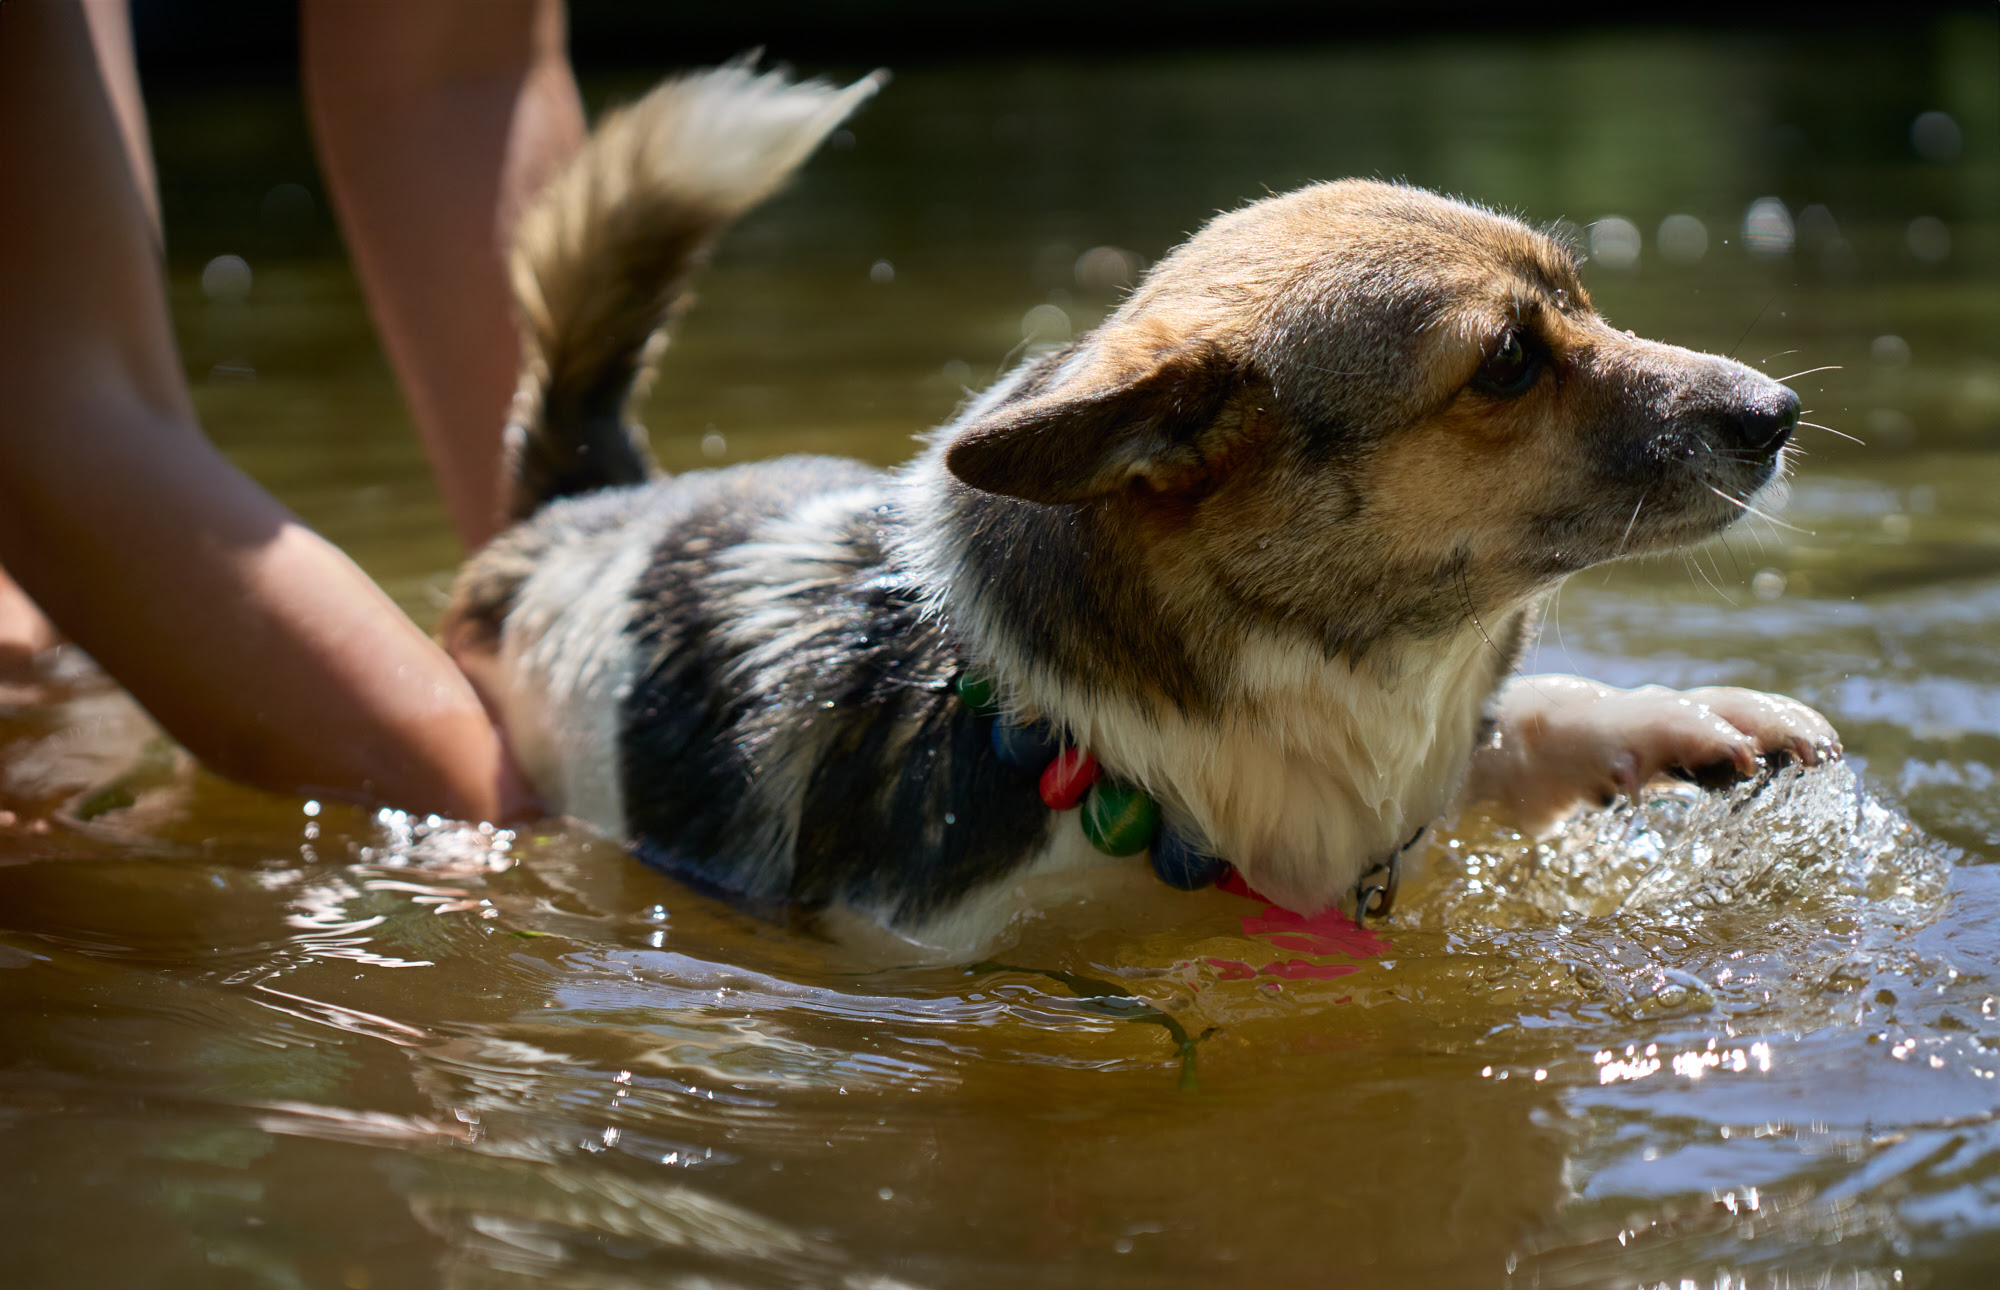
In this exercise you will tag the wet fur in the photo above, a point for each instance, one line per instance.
(1260, 542)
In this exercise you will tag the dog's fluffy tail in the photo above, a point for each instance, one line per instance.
(601, 259)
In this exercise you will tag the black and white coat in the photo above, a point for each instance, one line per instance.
(1178, 542)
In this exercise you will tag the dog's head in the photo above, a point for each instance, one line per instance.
(1370, 412)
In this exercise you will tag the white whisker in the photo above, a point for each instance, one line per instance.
(1634, 520)
(1737, 501)
(1553, 616)
(1716, 582)
(1830, 430)
(1830, 367)
(1687, 557)
(1734, 564)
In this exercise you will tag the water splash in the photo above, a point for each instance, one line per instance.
(1804, 842)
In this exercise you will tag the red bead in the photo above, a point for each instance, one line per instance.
(1066, 779)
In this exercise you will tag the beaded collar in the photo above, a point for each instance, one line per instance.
(1122, 819)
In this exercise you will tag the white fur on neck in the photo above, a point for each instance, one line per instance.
(1318, 769)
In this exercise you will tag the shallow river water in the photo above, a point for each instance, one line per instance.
(1738, 1040)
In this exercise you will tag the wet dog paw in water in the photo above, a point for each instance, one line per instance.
(1560, 742)
(1269, 544)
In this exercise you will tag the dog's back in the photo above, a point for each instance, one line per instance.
(726, 670)
(1265, 544)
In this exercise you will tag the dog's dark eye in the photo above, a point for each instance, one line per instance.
(1511, 369)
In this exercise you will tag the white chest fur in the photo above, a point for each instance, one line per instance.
(1318, 769)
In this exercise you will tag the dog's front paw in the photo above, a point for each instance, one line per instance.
(1770, 727)
(1562, 741)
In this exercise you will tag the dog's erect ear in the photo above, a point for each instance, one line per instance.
(1099, 422)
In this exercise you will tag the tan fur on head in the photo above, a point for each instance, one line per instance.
(1281, 519)
(1294, 394)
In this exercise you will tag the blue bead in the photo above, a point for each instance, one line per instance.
(1024, 747)
(1182, 861)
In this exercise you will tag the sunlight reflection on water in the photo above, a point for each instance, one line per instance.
(1729, 1041)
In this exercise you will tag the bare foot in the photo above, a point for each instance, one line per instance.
(1562, 742)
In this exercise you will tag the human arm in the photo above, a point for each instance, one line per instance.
(25, 631)
(435, 122)
(255, 642)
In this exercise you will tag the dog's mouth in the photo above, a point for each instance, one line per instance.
(1698, 496)
(1711, 501)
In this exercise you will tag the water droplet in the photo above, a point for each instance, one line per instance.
(1936, 137)
(1614, 243)
(1682, 239)
(1890, 351)
(1767, 228)
(227, 279)
(1929, 239)
(1045, 324)
(1106, 268)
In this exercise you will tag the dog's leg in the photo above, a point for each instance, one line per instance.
(1560, 742)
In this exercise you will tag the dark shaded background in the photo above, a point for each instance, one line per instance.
(259, 38)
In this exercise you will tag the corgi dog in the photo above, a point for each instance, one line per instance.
(1262, 553)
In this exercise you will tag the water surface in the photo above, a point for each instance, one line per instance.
(1746, 1040)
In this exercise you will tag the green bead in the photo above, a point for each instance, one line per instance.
(976, 691)
(1119, 820)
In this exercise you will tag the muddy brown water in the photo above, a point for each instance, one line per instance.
(1744, 1040)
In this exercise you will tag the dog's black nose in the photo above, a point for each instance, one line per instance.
(1765, 421)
